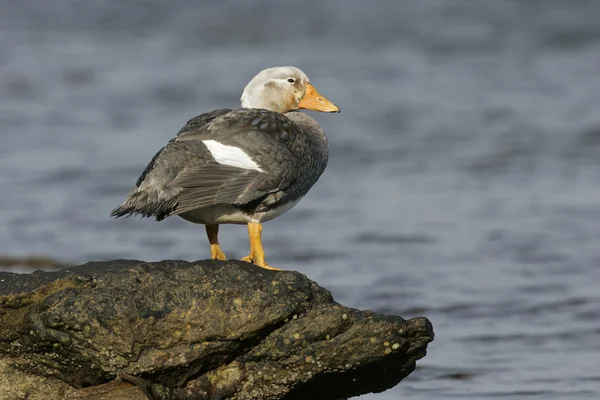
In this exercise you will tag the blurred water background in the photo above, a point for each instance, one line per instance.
(463, 182)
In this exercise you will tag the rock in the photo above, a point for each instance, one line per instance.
(202, 330)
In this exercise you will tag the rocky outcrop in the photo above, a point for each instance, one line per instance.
(202, 330)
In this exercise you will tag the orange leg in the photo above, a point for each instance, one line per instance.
(257, 253)
(212, 231)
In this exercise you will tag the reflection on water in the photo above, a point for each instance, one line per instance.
(463, 177)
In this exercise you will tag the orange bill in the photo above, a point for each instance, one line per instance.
(312, 100)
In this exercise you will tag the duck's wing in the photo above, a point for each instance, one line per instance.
(195, 124)
(236, 157)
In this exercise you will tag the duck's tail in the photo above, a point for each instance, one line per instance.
(147, 204)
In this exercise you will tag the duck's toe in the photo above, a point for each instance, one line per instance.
(251, 259)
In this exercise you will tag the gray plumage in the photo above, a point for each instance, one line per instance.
(183, 177)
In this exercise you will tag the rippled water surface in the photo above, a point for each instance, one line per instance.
(464, 175)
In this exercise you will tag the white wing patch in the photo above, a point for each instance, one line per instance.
(231, 155)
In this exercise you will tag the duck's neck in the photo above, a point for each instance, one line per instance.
(257, 102)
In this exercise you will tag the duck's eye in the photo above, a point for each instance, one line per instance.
(291, 80)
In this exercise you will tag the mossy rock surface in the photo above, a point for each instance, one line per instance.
(193, 330)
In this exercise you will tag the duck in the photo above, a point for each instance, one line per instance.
(242, 166)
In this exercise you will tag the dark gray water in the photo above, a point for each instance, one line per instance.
(464, 176)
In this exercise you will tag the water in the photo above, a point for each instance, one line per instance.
(464, 173)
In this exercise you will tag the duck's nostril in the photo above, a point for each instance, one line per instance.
(320, 99)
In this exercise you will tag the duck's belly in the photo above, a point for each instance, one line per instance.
(229, 214)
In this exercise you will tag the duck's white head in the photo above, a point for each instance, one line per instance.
(284, 89)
